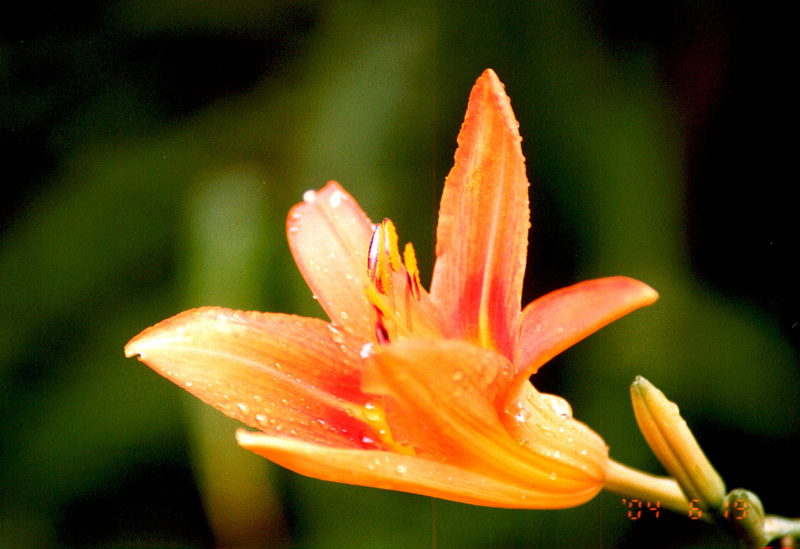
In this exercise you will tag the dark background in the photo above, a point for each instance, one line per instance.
(151, 151)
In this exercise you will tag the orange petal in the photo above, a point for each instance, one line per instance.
(454, 389)
(483, 224)
(404, 473)
(560, 319)
(329, 236)
(285, 375)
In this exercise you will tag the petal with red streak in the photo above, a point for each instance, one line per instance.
(285, 375)
(404, 473)
(560, 319)
(329, 236)
(484, 218)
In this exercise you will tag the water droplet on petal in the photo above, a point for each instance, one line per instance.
(336, 199)
(559, 405)
(336, 335)
(309, 196)
(244, 408)
(401, 469)
(366, 350)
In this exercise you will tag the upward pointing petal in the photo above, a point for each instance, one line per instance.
(484, 217)
(329, 236)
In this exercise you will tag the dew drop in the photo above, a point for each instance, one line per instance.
(336, 335)
(559, 405)
(344, 315)
(244, 408)
(553, 476)
(371, 412)
(366, 350)
(401, 469)
(261, 418)
(309, 196)
(336, 199)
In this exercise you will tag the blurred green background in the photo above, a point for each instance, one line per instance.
(150, 154)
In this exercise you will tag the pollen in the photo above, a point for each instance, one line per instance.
(412, 272)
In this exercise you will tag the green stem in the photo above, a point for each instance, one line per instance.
(778, 527)
(632, 483)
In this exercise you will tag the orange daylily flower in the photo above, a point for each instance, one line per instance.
(403, 389)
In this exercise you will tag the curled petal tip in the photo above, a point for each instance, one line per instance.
(558, 320)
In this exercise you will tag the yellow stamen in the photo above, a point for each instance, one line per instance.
(383, 258)
(391, 244)
(412, 272)
(379, 302)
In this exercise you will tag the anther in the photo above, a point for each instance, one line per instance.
(381, 333)
(412, 272)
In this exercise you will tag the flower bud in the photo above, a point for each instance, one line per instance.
(744, 514)
(673, 443)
